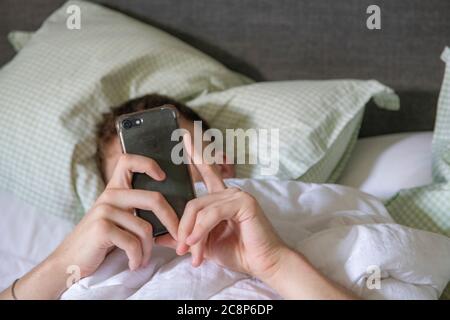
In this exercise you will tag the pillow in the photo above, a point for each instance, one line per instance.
(318, 122)
(385, 164)
(18, 39)
(53, 92)
(441, 138)
(428, 207)
(61, 81)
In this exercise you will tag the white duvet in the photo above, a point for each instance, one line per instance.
(345, 233)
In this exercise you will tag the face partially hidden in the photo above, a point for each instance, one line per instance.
(112, 152)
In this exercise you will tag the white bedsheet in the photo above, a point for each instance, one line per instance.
(340, 230)
(26, 237)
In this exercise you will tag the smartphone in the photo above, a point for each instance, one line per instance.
(148, 133)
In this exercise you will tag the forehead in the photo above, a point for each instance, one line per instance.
(112, 147)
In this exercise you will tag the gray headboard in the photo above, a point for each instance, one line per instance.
(298, 39)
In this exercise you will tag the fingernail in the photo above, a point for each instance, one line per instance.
(190, 240)
(196, 263)
(179, 251)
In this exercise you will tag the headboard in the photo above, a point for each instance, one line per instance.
(298, 39)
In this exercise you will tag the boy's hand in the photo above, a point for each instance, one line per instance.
(111, 223)
(228, 227)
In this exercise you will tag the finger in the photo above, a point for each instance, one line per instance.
(209, 172)
(209, 218)
(128, 199)
(139, 227)
(130, 163)
(166, 240)
(189, 216)
(198, 251)
(128, 243)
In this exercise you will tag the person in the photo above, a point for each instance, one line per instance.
(226, 226)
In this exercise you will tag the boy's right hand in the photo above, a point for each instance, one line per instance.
(111, 223)
(226, 226)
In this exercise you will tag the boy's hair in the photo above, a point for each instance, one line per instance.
(106, 129)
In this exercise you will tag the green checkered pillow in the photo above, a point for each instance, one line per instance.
(318, 122)
(441, 138)
(428, 207)
(19, 39)
(53, 93)
(60, 82)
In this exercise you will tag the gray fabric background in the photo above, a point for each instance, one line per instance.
(298, 39)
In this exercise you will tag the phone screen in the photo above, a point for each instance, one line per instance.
(148, 133)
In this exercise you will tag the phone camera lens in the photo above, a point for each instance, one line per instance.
(127, 124)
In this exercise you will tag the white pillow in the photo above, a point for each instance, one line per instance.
(384, 165)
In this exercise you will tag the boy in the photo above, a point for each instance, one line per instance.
(226, 226)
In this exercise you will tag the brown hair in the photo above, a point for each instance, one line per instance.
(106, 129)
